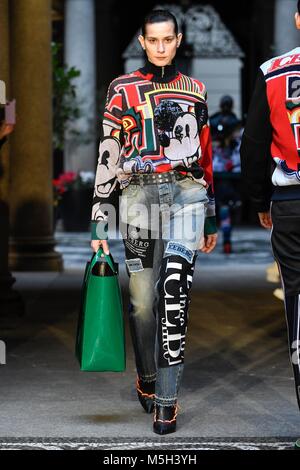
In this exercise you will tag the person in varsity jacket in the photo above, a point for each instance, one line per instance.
(156, 150)
(270, 160)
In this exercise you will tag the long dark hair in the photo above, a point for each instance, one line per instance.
(158, 16)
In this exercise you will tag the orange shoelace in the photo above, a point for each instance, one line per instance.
(141, 391)
(165, 420)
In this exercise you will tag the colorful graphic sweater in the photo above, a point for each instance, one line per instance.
(270, 150)
(155, 120)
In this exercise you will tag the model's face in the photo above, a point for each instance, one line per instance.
(160, 42)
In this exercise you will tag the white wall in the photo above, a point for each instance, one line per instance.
(221, 77)
(287, 37)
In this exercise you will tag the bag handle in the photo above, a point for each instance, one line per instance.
(108, 259)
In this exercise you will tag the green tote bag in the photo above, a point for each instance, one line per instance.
(100, 338)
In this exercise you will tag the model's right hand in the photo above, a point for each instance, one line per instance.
(95, 244)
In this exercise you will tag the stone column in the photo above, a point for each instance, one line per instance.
(80, 52)
(31, 200)
(286, 36)
(10, 300)
(4, 75)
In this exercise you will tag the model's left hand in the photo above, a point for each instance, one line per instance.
(210, 242)
(265, 219)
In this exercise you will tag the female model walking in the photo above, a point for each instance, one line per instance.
(156, 151)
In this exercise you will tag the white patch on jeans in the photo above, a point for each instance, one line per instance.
(175, 248)
(134, 265)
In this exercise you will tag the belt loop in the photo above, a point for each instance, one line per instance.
(173, 177)
(141, 180)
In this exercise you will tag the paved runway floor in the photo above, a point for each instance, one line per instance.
(237, 388)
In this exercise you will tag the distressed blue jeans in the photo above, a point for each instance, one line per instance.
(162, 226)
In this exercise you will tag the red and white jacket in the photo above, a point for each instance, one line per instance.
(270, 150)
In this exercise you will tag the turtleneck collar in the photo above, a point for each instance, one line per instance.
(157, 73)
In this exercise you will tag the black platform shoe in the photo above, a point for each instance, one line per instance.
(146, 393)
(165, 419)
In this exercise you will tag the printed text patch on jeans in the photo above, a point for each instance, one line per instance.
(138, 247)
(174, 248)
(134, 265)
(174, 285)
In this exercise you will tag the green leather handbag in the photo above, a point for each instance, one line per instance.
(100, 338)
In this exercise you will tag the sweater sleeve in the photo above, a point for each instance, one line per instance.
(210, 225)
(205, 162)
(256, 149)
(106, 182)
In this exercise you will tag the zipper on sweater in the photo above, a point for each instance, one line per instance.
(162, 71)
